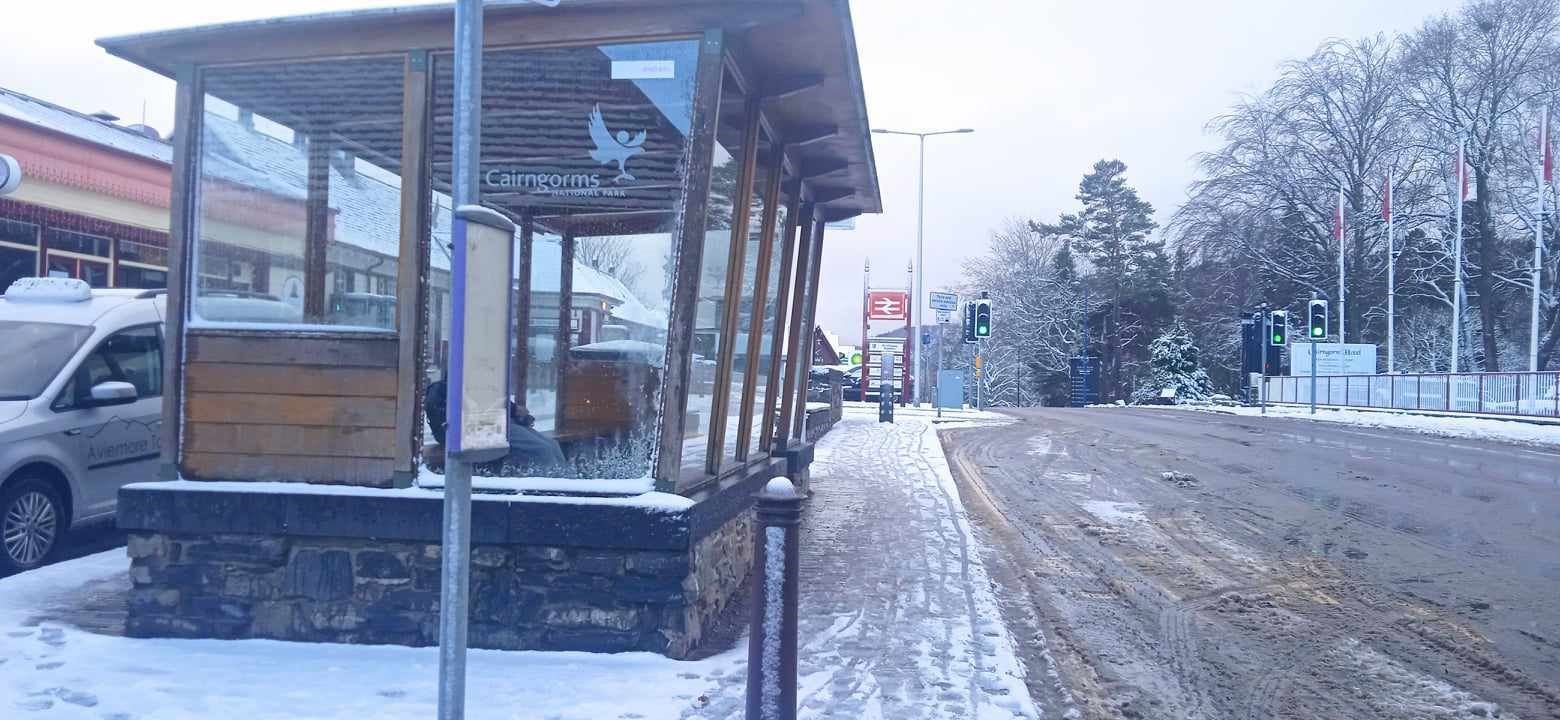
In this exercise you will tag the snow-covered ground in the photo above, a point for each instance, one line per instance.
(903, 628)
(52, 670)
(1458, 426)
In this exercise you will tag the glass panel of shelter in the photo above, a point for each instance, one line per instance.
(298, 204)
(763, 365)
(585, 148)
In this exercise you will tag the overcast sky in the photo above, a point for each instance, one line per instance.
(1050, 86)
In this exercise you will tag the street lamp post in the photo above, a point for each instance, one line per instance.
(920, 221)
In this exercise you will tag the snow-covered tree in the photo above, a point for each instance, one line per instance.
(1173, 364)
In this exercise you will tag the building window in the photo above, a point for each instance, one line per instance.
(133, 276)
(18, 251)
(286, 181)
(75, 242)
(143, 252)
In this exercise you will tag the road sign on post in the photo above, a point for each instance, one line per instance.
(943, 300)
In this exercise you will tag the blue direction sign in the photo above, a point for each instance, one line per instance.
(1084, 379)
(943, 300)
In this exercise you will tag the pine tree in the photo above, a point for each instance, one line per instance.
(1173, 364)
(1115, 231)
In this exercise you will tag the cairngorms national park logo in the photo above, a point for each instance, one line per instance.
(614, 149)
(611, 149)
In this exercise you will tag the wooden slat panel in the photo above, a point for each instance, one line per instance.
(290, 410)
(292, 380)
(287, 468)
(270, 348)
(345, 442)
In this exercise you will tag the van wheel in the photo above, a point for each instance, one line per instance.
(30, 524)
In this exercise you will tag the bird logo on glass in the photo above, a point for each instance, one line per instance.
(612, 148)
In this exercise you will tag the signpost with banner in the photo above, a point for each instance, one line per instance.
(1333, 358)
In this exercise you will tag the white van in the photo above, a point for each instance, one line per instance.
(81, 382)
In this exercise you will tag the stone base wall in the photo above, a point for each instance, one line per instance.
(352, 590)
(214, 563)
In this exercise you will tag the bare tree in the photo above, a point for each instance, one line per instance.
(611, 255)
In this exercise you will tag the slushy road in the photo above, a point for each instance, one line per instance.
(1168, 563)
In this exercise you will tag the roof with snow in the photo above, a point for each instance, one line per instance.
(47, 116)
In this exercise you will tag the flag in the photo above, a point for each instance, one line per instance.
(1338, 217)
(1546, 155)
(1386, 198)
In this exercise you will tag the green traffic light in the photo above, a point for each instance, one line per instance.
(1278, 338)
(1316, 332)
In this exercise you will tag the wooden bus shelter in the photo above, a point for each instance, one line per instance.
(670, 166)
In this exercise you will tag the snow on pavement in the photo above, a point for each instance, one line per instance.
(54, 671)
(898, 618)
(1457, 426)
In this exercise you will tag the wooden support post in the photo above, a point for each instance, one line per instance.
(772, 401)
(689, 247)
(187, 115)
(755, 346)
(814, 265)
(565, 325)
(798, 347)
(520, 366)
(741, 210)
(411, 292)
(317, 228)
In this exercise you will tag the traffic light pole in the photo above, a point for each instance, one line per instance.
(1313, 377)
(1267, 333)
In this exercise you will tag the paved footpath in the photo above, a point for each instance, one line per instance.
(898, 619)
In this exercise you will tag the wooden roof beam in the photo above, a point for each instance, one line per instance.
(805, 136)
(820, 169)
(789, 87)
(822, 195)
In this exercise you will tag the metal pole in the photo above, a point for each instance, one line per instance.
(1313, 369)
(1457, 282)
(455, 574)
(920, 278)
(1391, 280)
(1342, 301)
(1538, 253)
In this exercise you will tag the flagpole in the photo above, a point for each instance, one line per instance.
(1457, 281)
(1391, 278)
(1538, 240)
(1342, 301)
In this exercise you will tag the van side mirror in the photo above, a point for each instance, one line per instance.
(113, 392)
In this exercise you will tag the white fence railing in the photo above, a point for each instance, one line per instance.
(1516, 393)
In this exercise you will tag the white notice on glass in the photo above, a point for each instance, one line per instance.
(644, 69)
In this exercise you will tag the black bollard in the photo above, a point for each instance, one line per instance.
(771, 677)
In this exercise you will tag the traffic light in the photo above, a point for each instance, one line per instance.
(969, 322)
(1318, 319)
(982, 319)
(1278, 328)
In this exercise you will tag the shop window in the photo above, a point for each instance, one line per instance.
(298, 162)
(145, 253)
(130, 276)
(585, 146)
(75, 242)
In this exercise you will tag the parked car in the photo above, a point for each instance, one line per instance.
(80, 408)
